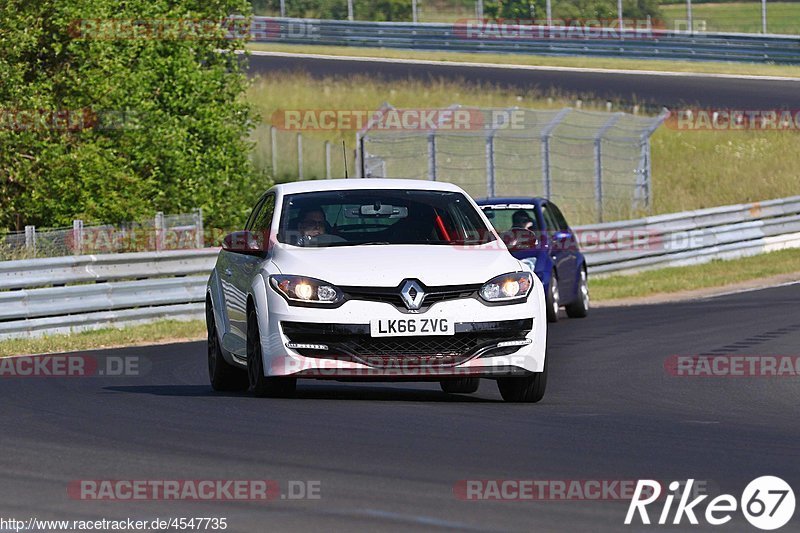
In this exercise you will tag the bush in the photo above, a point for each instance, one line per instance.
(159, 123)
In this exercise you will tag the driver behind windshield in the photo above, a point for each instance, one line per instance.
(521, 220)
(311, 222)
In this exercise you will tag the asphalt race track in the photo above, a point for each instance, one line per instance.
(646, 89)
(387, 456)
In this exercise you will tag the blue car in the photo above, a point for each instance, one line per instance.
(536, 232)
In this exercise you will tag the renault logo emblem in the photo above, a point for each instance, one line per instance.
(412, 295)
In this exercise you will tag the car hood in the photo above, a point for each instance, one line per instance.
(389, 265)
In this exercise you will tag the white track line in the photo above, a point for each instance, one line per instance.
(470, 64)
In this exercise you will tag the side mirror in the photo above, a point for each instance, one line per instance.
(246, 242)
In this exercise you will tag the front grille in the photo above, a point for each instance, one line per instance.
(353, 342)
(391, 295)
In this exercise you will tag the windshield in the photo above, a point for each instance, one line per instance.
(509, 217)
(380, 217)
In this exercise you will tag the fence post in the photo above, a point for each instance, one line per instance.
(349, 9)
(30, 238)
(432, 156)
(598, 163)
(159, 225)
(300, 156)
(547, 132)
(327, 160)
(199, 235)
(77, 237)
(764, 16)
(490, 164)
(689, 19)
(414, 11)
(479, 9)
(273, 134)
(283, 8)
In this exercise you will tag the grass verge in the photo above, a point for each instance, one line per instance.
(703, 67)
(144, 334)
(679, 279)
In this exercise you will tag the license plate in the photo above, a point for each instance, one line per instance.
(405, 327)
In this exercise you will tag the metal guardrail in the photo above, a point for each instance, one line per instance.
(64, 294)
(460, 37)
(692, 237)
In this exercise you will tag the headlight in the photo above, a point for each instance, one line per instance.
(302, 290)
(513, 286)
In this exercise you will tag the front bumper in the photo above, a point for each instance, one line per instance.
(488, 341)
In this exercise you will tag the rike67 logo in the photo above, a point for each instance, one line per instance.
(767, 503)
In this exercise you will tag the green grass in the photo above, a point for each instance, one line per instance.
(691, 170)
(708, 67)
(156, 332)
(713, 274)
(745, 17)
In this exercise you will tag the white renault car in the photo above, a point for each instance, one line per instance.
(374, 280)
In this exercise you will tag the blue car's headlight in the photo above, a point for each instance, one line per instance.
(304, 290)
(512, 286)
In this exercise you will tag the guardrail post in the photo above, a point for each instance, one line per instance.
(159, 226)
(199, 237)
(273, 135)
(432, 156)
(30, 238)
(327, 160)
(77, 237)
(300, 156)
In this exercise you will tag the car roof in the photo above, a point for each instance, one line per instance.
(364, 183)
(511, 200)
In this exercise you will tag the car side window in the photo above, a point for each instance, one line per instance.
(263, 219)
(549, 219)
(559, 217)
(254, 214)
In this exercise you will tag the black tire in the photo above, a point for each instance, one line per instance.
(460, 385)
(552, 298)
(580, 307)
(263, 386)
(223, 375)
(528, 389)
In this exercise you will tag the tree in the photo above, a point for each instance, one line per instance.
(108, 121)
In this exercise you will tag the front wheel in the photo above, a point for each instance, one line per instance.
(529, 389)
(460, 385)
(552, 298)
(263, 386)
(580, 307)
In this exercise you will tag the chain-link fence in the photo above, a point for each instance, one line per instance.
(163, 232)
(289, 156)
(597, 165)
(727, 16)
